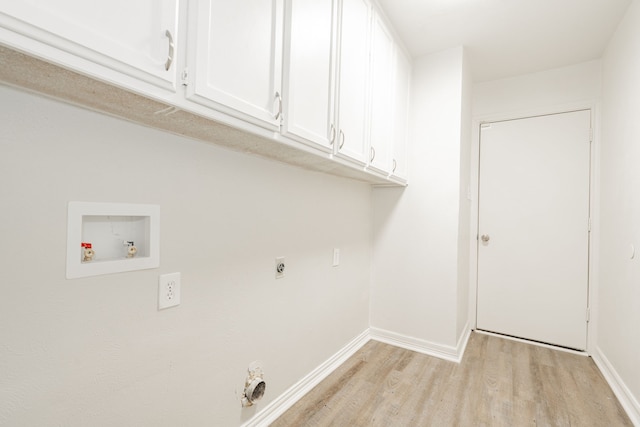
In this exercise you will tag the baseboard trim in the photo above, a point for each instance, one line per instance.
(453, 354)
(620, 389)
(462, 342)
(287, 399)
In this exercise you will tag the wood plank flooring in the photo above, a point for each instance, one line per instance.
(499, 382)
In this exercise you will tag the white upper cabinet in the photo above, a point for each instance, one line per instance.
(235, 58)
(382, 97)
(120, 41)
(309, 72)
(322, 76)
(353, 81)
(402, 79)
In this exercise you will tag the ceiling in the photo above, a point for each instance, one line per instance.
(508, 37)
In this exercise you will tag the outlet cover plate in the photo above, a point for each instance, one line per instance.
(168, 290)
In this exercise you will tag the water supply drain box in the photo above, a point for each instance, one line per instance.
(105, 238)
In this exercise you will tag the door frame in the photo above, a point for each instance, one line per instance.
(594, 203)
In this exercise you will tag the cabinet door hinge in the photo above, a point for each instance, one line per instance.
(589, 225)
(588, 314)
(590, 135)
(185, 77)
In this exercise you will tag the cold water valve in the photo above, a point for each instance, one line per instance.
(131, 249)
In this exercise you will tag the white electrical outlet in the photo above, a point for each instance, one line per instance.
(280, 267)
(168, 290)
(336, 257)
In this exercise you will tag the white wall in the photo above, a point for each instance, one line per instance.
(619, 293)
(96, 351)
(415, 274)
(536, 92)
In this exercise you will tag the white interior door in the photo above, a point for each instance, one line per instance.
(533, 246)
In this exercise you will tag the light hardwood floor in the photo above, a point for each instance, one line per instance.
(499, 382)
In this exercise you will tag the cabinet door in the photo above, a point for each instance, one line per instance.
(235, 58)
(399, 166)
(382, 92)
(134, 38)
(354, 69)
(309, 72)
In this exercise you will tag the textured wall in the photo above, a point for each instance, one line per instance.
(619, 296)
(415, 276)
(96, 351)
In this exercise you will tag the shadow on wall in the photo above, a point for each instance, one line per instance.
(386, 201)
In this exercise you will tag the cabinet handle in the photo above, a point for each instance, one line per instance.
(395, 165)
(332, 137)
(373, 154)
(172, 46)
(279, 98)
(341, 140)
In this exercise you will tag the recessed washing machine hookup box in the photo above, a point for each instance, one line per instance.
(105, 238)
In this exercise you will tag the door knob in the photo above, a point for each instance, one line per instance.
(485, 238)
